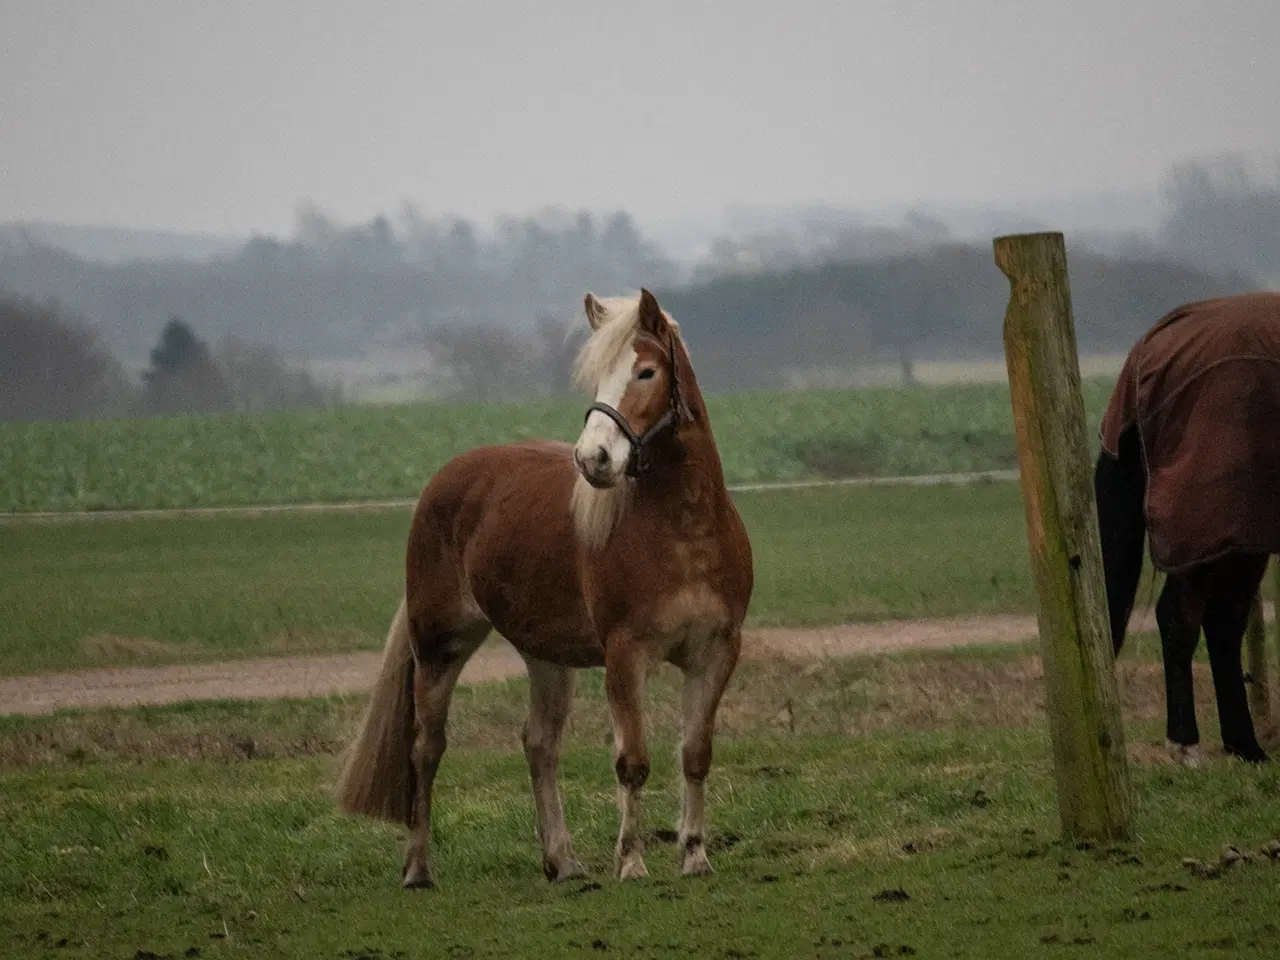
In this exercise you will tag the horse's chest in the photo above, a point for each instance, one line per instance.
(686, 620)
(694, 561)
(692, 608)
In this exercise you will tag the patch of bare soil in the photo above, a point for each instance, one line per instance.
(348, 673)
(813, 687)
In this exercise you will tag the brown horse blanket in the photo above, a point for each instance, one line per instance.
(1203, 388)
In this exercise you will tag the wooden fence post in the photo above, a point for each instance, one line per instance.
(1275, 607)
(1256, 662)
(1062, 532)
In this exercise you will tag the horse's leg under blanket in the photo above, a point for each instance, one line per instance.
(1119, 485)
(1233, 585)
(1179, 613)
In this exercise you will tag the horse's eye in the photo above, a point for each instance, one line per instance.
(645, 374)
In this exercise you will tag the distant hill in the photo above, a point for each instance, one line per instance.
(789, 295)
(115, 245)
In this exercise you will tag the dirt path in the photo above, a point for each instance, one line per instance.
(310, 676)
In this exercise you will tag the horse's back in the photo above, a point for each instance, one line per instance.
(497, 469)
(1202, 388)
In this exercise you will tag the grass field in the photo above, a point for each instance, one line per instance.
(110, 591)
(910, 813)
(388, 452)
(884, 806)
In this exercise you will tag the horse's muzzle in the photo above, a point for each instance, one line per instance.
(599, 477)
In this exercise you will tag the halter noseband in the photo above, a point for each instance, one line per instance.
(638, 460)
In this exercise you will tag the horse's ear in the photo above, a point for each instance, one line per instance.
(652, 319)
(595, 311)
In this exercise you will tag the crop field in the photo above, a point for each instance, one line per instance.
(892, 805)
(355, 453)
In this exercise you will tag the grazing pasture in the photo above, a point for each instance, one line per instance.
(889, 805)
(107, 592)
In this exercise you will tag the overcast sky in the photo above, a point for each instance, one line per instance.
(222, 116)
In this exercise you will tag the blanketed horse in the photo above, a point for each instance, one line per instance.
(621, 551)
(1191, 457)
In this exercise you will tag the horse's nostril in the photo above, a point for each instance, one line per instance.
(602, 457)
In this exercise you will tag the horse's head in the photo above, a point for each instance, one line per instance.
(630, 364)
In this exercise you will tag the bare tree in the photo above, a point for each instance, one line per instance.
(259, 378)
(485, 362)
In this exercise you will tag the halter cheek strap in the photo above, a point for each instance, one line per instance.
(638, 460)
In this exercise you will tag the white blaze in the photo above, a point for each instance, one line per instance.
(600, 431)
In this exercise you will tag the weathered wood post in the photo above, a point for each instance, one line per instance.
(1275, 606)
(1062, 532)
(1256, 662)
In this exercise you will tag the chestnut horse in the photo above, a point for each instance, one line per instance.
(1191, 460)
(621, 551)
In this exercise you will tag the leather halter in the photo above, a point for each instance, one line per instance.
(638, 460)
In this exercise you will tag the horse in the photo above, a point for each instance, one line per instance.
(621, 551)
(1190, 458)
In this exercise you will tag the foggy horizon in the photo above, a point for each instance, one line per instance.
(151, 117)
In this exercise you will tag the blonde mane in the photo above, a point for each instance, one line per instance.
(596, 512)
(607, 344)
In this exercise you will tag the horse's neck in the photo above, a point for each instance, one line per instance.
(687, 470)
(688, 466)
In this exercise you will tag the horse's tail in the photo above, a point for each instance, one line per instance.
(1120, 486)
(377, 777)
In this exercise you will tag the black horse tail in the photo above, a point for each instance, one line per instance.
(1120, 486)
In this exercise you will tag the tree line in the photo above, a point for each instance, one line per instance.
(55, 365)
(331, 290)
(498, 310)
(747, 331)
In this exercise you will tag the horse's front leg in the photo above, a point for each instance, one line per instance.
(706, 674)
(626, 667)
(550, 694)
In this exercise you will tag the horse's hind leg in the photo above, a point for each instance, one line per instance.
(550, 695)
(625, 672)
(706, 675)
(1235, 583)
(1179, 613)
(440, 657)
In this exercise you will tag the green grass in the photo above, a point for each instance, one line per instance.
(117, 591)
(206, 829)
(109, 591)
(389, 452)
(106, 856)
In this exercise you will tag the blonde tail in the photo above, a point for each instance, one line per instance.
(377, 778)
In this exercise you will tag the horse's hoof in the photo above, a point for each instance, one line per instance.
(633, 868)
(417, 876)
(695, 863)
(1250, 754)
(571, 869)
(1186, 755)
